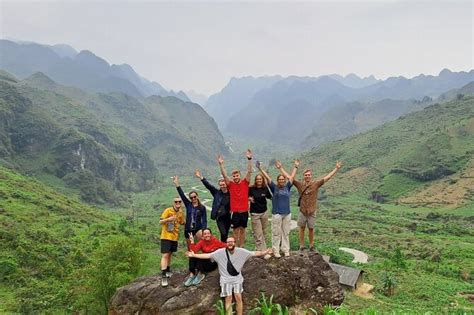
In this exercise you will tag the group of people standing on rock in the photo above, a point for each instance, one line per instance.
(233, 202)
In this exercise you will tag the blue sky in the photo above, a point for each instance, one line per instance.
(201, 45)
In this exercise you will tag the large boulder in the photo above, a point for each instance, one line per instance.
(298, 282)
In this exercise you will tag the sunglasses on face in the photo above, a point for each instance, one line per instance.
(193, 197)
(177, 201)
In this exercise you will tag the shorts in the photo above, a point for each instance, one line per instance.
(228, 288)
(239, 219)
(307, 220)
(168, 246)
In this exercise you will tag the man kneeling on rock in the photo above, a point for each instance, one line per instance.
(207, 244)
(230, 261)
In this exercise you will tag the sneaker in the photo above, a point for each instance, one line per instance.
(302, 249)
(287, 254)
(314, 250)
(164, 281)
(169, 274)
(189, 280)
(277, 255)
(267, 256)
(198, 278)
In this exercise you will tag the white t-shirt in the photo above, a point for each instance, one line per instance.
(238, 259)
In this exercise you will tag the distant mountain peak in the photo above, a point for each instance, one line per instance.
(40, 78)
(445, 71)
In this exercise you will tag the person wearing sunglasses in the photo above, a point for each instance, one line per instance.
(196, 216)
(170, 221)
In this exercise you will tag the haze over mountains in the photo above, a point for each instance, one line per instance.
(84, 70)
(307, 111)
(100, 143)
(72, 116)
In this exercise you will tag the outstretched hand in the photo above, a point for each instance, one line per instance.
(198, 174)
(338, 164)
(278, 164)
(296, 163)
(175, 180)
(220, 159)
(249, 154)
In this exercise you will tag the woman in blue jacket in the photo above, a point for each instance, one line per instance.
(220, 205)
(196, 216)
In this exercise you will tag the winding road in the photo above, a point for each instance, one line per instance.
(359, 257)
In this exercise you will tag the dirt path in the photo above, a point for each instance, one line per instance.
(359, 257)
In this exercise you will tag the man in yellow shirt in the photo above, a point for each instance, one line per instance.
(170, 221)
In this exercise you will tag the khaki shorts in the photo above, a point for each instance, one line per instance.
(307, 220)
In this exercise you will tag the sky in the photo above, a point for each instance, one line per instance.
(200, 46)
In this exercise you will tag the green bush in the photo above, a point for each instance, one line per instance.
(115, 263)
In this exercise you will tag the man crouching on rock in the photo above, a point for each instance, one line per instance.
(230, 261)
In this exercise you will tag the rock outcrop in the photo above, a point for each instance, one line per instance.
(298, 282)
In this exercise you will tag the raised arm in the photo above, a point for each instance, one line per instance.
(249, 155)
(180, 190)
(220, 160)
(200, 256)
(265, 174)
(291, 176)
(333, 172)
(212, 189)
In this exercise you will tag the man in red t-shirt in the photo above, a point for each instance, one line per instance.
(239, 197)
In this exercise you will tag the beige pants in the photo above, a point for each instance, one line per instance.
(259, 228)
(281, 233)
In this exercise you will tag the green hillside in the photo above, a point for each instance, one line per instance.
(100, 144)
(352, 118)
(76, 148)
(406, 155)
(174, 133)
(47, 243)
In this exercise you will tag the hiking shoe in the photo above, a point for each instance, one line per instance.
(267, 256)
(164, 281)
(169, 274)
(302, 249)
(277, 255)
(189, 280)
(198, 278)
(287, 254)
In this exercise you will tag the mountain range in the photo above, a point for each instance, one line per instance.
(83, 69)
(100, 143)
(301, 111)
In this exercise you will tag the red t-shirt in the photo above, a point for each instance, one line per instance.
(207, 246)
(239, 196)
